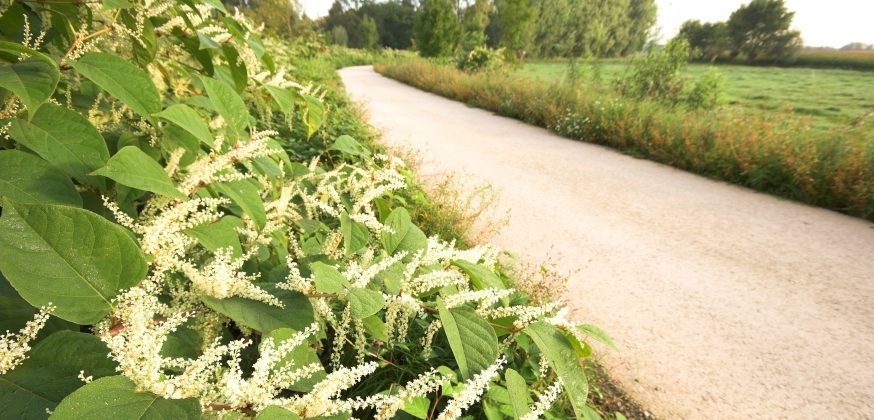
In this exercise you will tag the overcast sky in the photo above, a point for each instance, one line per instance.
(832, 23)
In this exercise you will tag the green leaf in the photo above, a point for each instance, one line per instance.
(349, 146)
(297, 313)
(66, 139)
(237, 67)
(518, 390)
(597, 334)
(563, 359)
(184, 342)
(405, 236)
(70, 257)
(26, 178)
(313, 114)
(229, 105)
(246, 194)
(300, 356)
(274, 412)
(187, 118)
(115, 398)
(134, 168)
(365, 302)
(221, 234)
(143, 53)
(375, 327)
(116, 4)
(328, 279)
(283, 97)
(481, 277)
(123, 80)
(418, 407)
(471, 338)
(33, 79)
(355, 235)
(51, 372)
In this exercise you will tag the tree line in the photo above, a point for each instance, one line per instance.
(759, 30)
(543, 28)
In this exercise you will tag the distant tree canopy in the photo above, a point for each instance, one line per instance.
(543, 28)
(758, 30)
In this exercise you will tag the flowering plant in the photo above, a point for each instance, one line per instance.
(193, 269)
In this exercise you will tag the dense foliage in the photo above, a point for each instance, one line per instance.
(188, 231)
(758, 30)
(769, 152)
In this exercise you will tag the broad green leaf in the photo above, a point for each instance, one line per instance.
(405, 236)
(283, 97)
(228, 104)
(328, 279)
(300, 356)
(481, 277)
(70, 257)
(221, 234)
(246, 194)
(365, 302)
(349, 146)
(297, 313)
(563, 359)
(184, 342)
(115, 398)
(355, 235)
(134, 168)
(33, 79)
(187, 118)
(471, 338)
(274, 412)
(51, 372)
(375, 327)
(237, 67)
(418, 407)
(123, 80)
(66, 139)
(313, 114)
(116, 4)
(597, 334)
(28, 179)
(518, 390)
(207, 43)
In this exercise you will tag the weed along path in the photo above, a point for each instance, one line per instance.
(724, 303)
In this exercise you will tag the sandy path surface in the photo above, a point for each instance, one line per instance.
(725, 303)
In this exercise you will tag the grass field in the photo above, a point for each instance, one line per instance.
(832, 99)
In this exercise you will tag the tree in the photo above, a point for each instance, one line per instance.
(278, 16)
(761, 29)
(707, 40)
(437, 29)
(475, 19)
(642, 16)
(338, 36)
(369, 33)
(516, 18)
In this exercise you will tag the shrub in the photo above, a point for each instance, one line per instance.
(769, 152)
(480, 59)
(210, 241)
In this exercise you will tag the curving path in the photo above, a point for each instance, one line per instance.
(725, 303)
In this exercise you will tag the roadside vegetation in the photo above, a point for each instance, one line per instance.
(774, 152)
(195, 223)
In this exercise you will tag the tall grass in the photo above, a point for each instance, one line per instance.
(770, 152)
(848, 60)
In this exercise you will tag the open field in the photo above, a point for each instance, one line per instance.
(832, 99)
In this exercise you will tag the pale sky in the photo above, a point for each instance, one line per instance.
(827, 23)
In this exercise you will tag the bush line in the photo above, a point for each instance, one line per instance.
(770, 152)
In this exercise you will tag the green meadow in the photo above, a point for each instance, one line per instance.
(830, 98)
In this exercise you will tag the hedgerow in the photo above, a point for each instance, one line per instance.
(186, 233)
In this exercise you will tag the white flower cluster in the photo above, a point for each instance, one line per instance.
(473, 390)
(14, 347)
(544, 401)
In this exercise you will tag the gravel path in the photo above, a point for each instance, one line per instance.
(725, 303)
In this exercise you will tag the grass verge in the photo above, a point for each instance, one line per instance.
(770, 152)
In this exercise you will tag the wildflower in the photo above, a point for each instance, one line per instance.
(14, 347)
(544, 401)
(473, 390)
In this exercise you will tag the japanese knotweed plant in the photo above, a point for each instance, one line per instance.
(191, 269)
